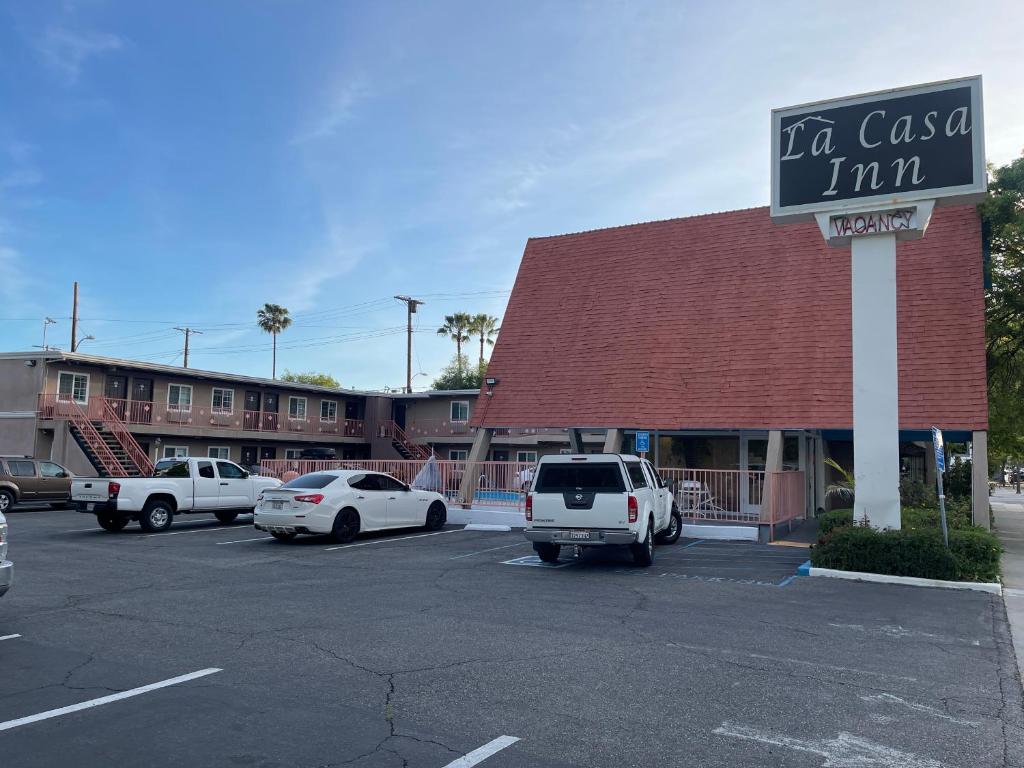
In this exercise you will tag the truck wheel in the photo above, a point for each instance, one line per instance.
(111, 523)
(436, 517)
(226, 517)
(547, 552)
(643, 551)
(346, 526)
(675, 526)
(283, 535)
(6, 501)
(156, 516)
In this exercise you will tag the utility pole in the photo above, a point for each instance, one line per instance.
(410, 305)
(188, 332)
(74, 319)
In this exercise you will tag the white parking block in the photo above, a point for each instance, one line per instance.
(106, 699)
(9, 637)
(385, 541)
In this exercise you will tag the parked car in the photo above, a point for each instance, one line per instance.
(597, 500)
(6, 566)
(178, 485)
(24, 479)
(345, 502)
(319, 454)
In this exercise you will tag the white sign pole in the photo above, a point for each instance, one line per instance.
(875, 382)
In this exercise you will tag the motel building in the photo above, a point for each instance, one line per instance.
(727, 337)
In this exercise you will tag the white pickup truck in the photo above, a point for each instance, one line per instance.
(177, 485)
(596, 500)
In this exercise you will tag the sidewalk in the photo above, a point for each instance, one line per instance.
(1008, 508)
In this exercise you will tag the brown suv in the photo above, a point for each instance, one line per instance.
(30, 480)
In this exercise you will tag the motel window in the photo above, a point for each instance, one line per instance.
(223, 400)
(179, 397)
(460, 410)
(454, 455)
(218, 452)
(296, 407)
(293, 453)
(526, 457)
(175, 451)
(73, 386)
(328, 410)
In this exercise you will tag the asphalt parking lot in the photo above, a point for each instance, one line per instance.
(425, 650)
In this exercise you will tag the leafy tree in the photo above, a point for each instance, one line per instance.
(460, 375)
(273, 318)
(311, 377)
(456, 327)
(486, 327)
(1003, 216)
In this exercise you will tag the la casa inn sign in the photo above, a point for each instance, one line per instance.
(891, 147)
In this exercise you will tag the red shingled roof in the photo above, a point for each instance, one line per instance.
(728, 321)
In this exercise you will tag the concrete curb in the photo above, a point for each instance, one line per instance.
(908, 581)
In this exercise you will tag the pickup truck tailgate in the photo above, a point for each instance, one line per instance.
(590, 494)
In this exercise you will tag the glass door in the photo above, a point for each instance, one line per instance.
(753, 459)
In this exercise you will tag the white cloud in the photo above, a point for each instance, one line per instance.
(66, 51)
(337, 111)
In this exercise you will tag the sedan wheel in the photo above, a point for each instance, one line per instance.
(346, 526)
(437, 516)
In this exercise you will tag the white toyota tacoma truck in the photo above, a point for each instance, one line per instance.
(178, 485)
(597, 500)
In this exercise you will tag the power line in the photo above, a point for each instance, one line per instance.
(188, 332)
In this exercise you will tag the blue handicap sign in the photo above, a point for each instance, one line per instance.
(643, 442)
(940, 454)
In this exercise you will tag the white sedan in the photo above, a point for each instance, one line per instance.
(345, 502)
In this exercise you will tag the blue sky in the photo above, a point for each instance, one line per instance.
(187, 162)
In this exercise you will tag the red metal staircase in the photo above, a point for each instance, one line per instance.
(406, 447)
(101, 434)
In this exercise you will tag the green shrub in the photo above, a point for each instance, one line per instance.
(915, 550)
(914, 493)
(958, 480)
(910, 552)
(833, 519)
(976, 552)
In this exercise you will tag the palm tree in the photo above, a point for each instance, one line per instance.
(456, 327)
(486, 327)
(273, 318)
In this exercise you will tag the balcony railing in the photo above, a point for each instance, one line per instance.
(422, 430)
(52, 406)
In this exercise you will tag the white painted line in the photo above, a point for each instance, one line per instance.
(8, 637)
(82, 530)
(492, 549)
(106, 699)
(193, 530)
(239, 541)
(482, 753)
(787, 660)
(889, 698)
(386, 541)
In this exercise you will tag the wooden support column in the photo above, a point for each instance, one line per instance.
(613, 441)
(478, 453)
(979, 480)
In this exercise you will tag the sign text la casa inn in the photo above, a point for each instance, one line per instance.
(924, 142)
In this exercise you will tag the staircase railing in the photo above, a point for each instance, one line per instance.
(111, 466)
(113, 422)
(416, 450)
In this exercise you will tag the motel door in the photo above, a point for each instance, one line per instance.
(753, 459)
(116, 392)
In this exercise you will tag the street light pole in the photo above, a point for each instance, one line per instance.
(410, 305)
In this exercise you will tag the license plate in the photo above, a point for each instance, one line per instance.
(90, 507)
(583, 535)
(277, 505)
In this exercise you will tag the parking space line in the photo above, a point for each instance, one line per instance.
(385, 541)
(692, 544)
(193, 530)
(492, 549)
(482, 753)
(240, 541)
(106, 699)
(9, 637)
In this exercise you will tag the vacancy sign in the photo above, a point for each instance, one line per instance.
(879, 150)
